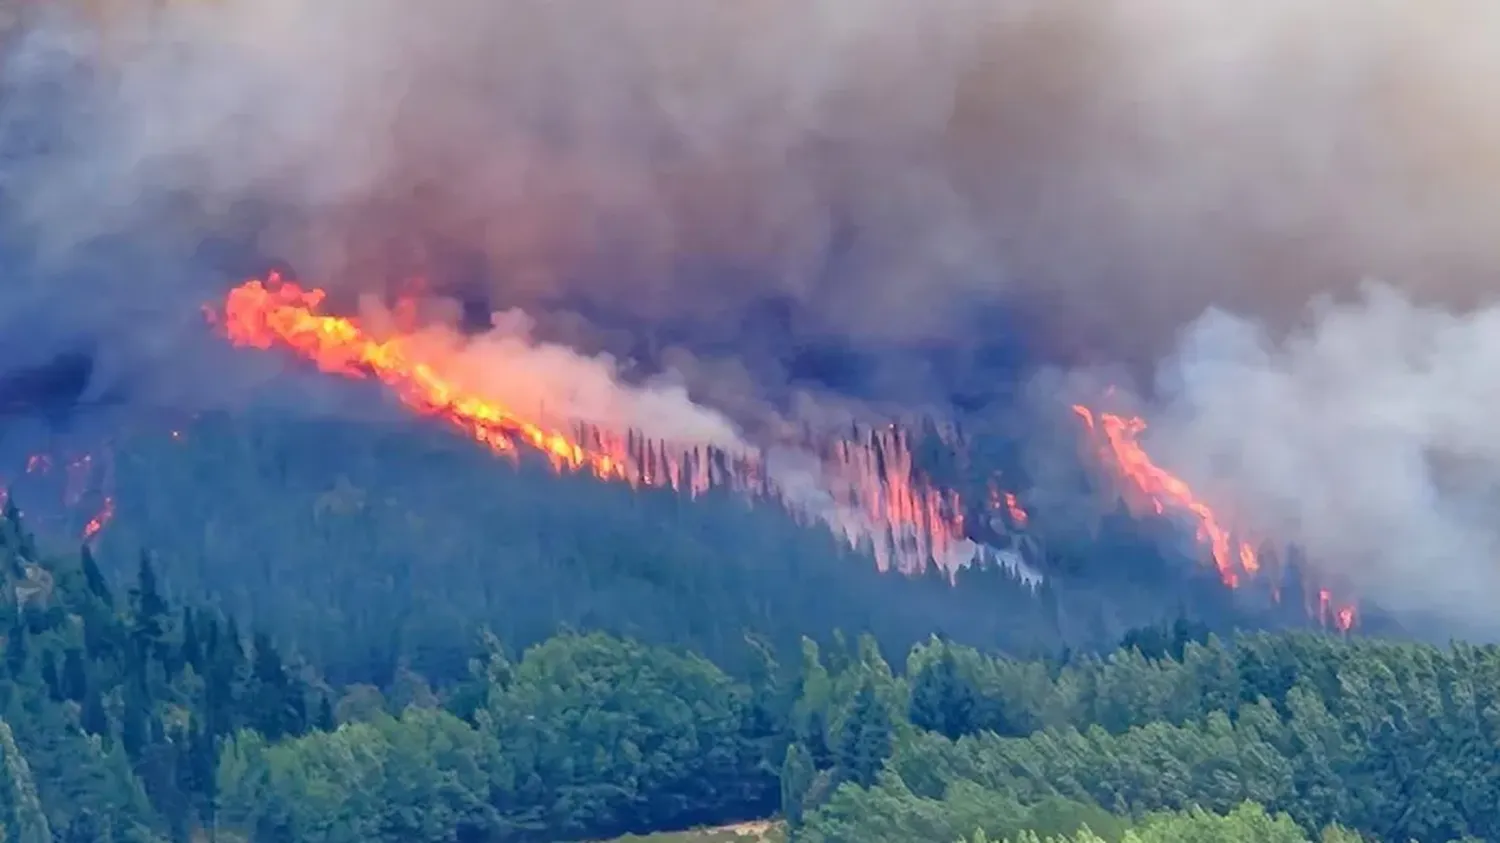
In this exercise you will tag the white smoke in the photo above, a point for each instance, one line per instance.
(547, 382)
(1368, 437)
(558, 388)
(1112, 170)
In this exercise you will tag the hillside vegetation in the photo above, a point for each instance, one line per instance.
(368, 546)
(131, 717)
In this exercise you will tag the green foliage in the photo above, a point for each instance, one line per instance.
(866, 740)
(942, 699)
(797, 774)
(111, 711)
(365, 713)
(421, 777)
(759, 832)
(1246, 823)
(20, 807)
(369, 545)
(607, 735)
(1393, 740)
(892, 812)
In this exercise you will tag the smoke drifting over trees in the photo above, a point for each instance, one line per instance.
(738, 191)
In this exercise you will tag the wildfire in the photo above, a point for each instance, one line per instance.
(84, 478)
(99, 521)
(261, 315)
(1340, 617)
(1007, 502)
(875, 478)
(1162, 491)
(872, 479)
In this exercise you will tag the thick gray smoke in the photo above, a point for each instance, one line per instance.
(723, 185)
(1369, 438)
(878, 166)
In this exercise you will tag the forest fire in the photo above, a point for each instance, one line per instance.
(1007, 502)
(1152, 488)
(85, 480)
(876, 494)
(97, 524)
(261, 315)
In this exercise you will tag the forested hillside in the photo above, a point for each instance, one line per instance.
(368, 545)
(132, 717)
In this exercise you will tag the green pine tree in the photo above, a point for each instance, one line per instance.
(797, 774)
(867, 737)
(74, 680)
(20, 807)
(94, 578)
(942, 700)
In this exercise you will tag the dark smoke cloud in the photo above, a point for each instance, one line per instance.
(908, 199)
(865, 171)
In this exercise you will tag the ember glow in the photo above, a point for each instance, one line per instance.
(86, 482)
(97, 524)
(874, 496)
(1007, 502)
(1157, 490)
(264, 315)
(874, 477)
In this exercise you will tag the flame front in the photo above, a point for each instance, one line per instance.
(872, 479)
(261, 315)
(84, 479)
(1007, 502)
(97, 524)
(1162, 491)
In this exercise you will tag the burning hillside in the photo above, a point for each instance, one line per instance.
(1150, 489)
(81, 484)
(866, 486)
(868, 489)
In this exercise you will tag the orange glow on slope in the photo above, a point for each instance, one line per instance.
(1341, 618)
(874, 478)
(1162, 491)
(99, 521)
(1017, 514)
(262, 315)
(1007, 502)
(84, 477)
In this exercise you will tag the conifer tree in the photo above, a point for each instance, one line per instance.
(797, 774)
(866, 738)
(20, 808)
(74, 680)
(16, 648)
(94, 578)
(942, 700)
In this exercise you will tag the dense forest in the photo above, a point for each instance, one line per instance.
(371, 545)
(131, 716)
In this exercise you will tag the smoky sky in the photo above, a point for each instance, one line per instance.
(919, 200)
(956, 185)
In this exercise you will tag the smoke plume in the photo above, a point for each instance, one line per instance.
(1367, 437)
(897, 199)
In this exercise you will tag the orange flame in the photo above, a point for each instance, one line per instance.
(260, 315)
(1163, 491)
(1017, 514)
(83, 477)
(100, 520)
(1001, 500)
(1341, 618)
(874, 478)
